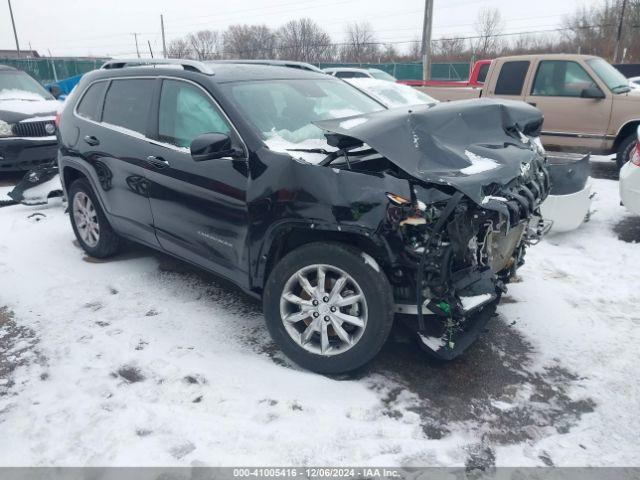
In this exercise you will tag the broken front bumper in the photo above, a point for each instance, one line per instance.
(463, 261)
(19, 154)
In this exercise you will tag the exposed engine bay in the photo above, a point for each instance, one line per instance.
(463, 230)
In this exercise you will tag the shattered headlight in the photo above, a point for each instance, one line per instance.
(5, 129)
(537, 146)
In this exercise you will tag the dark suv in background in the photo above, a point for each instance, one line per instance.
(305, 192)
(27, 127)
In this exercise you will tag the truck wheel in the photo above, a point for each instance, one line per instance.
(89, 223)
(625, 149)
(328, 307)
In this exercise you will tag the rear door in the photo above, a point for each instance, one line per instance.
(112, 141)
(199, 208)
(570, 121)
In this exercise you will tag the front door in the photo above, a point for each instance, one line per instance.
(570, 121)
(199, 208)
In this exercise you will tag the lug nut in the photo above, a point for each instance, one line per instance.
(326, 318)
(316, 314)
(325, 299)
(333, 309)
(315, 303)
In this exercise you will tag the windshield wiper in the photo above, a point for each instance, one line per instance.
(310, 150)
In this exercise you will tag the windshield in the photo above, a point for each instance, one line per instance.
(16, 85)
(381, 75)
(391, 94)
(282, 112)
(616, 82)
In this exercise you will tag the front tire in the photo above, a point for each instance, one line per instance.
(625, 150)
(89, 222)
(328, 307)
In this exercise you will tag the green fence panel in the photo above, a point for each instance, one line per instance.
(51, 69)
(413, 71)
(48, 70)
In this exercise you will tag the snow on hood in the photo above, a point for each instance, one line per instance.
(466, 144)
(278, 143)
(15, 105)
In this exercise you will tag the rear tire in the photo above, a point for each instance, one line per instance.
(625, 150)
(328, 338)
(89, 222)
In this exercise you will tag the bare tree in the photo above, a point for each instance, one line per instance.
(389, 53)
(304, 40)
(179, 48)
(488, 26)
(249, 41)
(451, 49)
(594, 30)
(205, 44)
(360, 44)
(415, 50)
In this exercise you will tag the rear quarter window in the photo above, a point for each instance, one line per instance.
(482, 73)
(90, 104)
(511, 78)
(127, 104)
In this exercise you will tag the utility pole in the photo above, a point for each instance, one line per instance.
(426, 39)
(135, 35)
(164, 44)
(615, 53)
(15, 34)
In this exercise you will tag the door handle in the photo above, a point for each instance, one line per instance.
(91, 140)
(157, 162)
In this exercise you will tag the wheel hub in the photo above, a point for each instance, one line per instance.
(323, 309)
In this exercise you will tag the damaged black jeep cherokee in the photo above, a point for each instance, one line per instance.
(305, 192)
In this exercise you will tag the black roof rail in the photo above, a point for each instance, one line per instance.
(192, 65)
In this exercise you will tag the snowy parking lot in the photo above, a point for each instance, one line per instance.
(145, 360)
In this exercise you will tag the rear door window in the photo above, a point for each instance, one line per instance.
(127, 104)
(187, 112)
(90, 106)
(511, 78)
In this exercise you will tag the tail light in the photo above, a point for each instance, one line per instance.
(57, 120)
(635, 157)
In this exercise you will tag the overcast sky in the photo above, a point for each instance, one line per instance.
(105, 27)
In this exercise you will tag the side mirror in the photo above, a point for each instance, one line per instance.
(592, 92)
(210, 146)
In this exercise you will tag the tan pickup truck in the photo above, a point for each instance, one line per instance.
(587, 104)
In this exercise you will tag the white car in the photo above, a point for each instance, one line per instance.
(630, 181)
(390, 94)
(634, 82)
(349, 72)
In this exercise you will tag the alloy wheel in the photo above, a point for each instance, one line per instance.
(323, 309)
(86, 219)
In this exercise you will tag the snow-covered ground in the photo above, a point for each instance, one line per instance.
(142, 360)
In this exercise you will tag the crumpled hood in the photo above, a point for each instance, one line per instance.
(465, 144)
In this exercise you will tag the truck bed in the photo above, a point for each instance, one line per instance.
(446, 94)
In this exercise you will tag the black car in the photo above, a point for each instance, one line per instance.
(27, 127)
(303, 191)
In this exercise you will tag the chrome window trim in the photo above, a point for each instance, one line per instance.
(141, 136)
